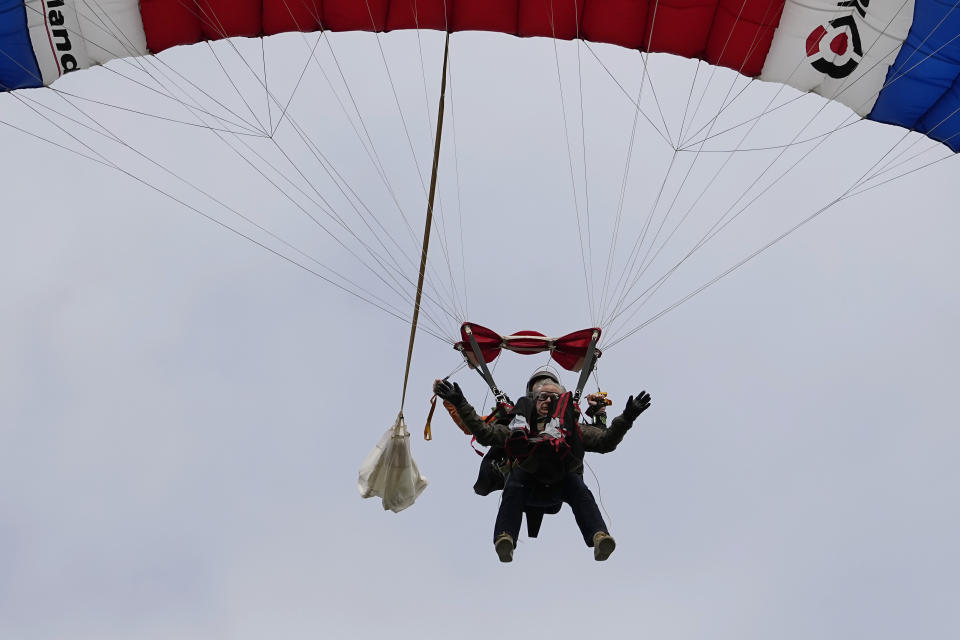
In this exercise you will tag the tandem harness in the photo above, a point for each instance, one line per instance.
(575, 352)
(545, 452)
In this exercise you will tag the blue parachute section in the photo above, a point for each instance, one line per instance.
(922, 89)
(18, 65)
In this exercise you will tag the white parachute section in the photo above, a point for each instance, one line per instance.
(390, 472)
(849, 46)
(68, 35)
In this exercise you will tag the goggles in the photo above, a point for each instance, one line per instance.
(543, 396)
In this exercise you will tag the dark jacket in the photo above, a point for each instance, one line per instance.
(546, 463)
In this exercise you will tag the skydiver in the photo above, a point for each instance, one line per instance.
(490, 477)
(597, 409)
(547, 448)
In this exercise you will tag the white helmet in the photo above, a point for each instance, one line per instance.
(541, 374)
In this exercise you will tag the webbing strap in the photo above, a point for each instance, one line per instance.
(475, 450)
(427, 433)
(482, 368)
(426, 225)
(587, 368)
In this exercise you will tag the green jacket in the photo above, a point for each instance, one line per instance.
(594, 438)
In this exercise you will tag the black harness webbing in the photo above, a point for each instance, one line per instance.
(588, 365)
(482, 368)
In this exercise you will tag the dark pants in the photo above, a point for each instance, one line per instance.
(517, 492)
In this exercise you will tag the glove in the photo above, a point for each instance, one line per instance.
(449, 392)
(598, 405)
(636, 406)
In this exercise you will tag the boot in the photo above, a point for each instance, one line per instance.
(504, 546)
(603, 545)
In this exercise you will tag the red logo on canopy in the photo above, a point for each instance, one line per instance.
(839, 44)
(834, 48)
(813, 40)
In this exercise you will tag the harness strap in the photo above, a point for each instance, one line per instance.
(427, 433)
(561, 406)
(588, 366)
(482, 368)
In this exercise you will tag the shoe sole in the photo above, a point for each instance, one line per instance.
(603, 549)
(504, 550)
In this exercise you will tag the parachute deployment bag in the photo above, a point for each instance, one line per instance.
(390, 472)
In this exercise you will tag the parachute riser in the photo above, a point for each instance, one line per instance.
(482, 368)
(589, 363)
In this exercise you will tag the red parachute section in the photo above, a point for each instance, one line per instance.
(569, 351)
(730, 33)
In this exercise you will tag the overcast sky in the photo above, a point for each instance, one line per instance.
(184, 412)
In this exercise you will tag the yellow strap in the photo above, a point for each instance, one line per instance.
(427, 434)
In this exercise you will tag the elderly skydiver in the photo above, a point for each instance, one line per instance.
(545, 444)
(491, 478)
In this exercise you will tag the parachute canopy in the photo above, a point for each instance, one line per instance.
(893, 61)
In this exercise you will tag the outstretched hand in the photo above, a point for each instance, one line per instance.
(449, 391)
(636, 406)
